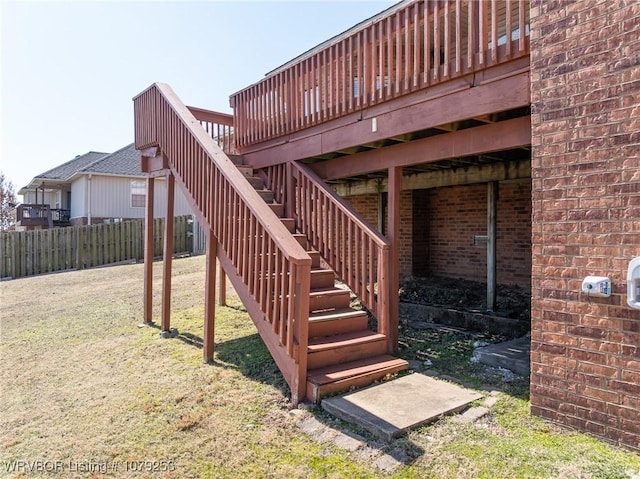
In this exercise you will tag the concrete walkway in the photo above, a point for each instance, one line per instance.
(390, 409)
(513, 355)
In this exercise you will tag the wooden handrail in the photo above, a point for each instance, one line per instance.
(410, 48)
(218, 125)
(273, 267)
(358, 253)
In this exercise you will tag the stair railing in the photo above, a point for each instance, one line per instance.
(358, 253)
(266, 265)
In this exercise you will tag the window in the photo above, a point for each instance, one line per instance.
(138, 194)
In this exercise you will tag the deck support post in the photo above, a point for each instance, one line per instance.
(393, 232)
(210, 298)
(289, 195)
(167, 258)
(148, 252)
(222, 287)
(492, 214)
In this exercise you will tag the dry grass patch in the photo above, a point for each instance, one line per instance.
(84, 387)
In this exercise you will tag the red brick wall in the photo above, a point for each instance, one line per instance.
(454, 215)
(513, 242)
(447, 219)
(437, 227)
(585, 85)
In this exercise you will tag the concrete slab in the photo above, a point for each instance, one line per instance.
(513, 355)
(390, 409)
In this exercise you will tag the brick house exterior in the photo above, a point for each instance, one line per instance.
(530, 139)
(585, 91)
(438, 225)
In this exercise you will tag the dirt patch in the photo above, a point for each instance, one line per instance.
(512, 302)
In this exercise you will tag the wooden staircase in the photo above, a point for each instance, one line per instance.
(284, 268)
(342, 351)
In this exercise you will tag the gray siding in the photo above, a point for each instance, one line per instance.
(78, 198)
(111, 198)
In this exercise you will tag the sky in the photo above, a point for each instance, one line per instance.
(69, 70)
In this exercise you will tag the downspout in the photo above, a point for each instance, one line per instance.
(89, 200)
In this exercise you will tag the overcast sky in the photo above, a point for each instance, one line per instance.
(70, 69)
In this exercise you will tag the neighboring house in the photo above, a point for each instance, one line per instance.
(92, 188)
(477, 151)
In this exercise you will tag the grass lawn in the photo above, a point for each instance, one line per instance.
(87, 393)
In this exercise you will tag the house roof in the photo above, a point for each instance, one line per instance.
(125, 161)
(68, 169)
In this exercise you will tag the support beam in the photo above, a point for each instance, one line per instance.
(504, 135)
(148, 252)
(222, 287)
(492, 214)
(168, 256)
(507, 170)
(210, 298)
(393, 233)
(455, 100)
(380, 193)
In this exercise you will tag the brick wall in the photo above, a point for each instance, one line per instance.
(513, 242)
(585, 85)
(437, 227)
(454, 215)
(447, 219)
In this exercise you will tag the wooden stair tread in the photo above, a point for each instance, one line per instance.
(333, 314)
(339, 372)
(320, 270)
(343, 340)
(328, 291)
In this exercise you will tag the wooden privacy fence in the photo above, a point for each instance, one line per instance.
(27, 253)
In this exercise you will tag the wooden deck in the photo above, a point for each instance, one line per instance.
(382, 80)
(41, 216)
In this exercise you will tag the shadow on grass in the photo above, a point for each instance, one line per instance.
(250, 356)
(247, 354)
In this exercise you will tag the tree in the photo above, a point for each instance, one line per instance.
(8, 202)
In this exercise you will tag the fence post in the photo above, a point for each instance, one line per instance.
(80, 247)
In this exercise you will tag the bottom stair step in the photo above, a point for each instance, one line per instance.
(339, 377)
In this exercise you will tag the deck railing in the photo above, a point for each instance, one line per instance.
(354, 249)
(218, 125)
(274, 269)
(408, 48)
(41, 215)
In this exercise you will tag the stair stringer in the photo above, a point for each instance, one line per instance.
(294, 372)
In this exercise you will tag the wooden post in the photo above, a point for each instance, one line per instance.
(210, 298)
(222, 287)
(394, 188)
(167, 257)
(288, 192)
(492, 213)
(380, 206)
(148, 252)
